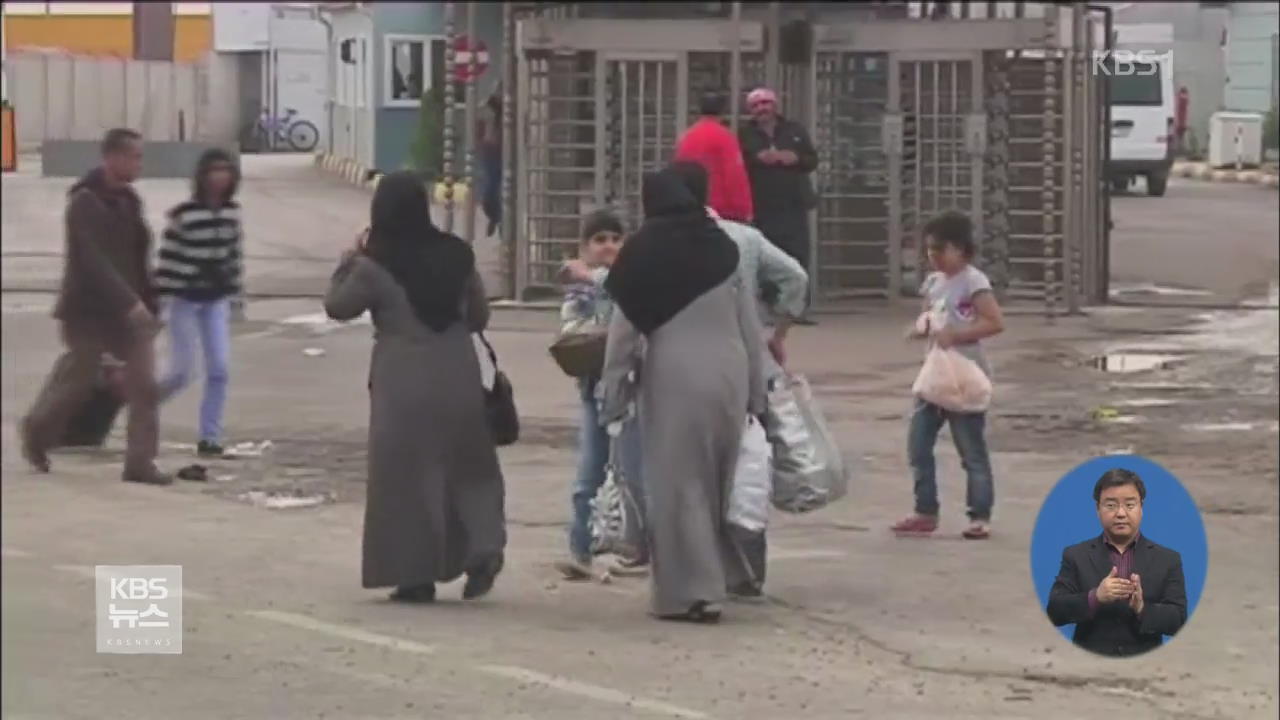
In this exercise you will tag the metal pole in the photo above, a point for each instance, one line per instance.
(735, 67)
(508, 139)
(469, 133)
(450, 82)
(1049, 149)
(772, 52)
(1070, 170)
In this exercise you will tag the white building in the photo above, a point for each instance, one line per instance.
(270, 57)
(1252, 64)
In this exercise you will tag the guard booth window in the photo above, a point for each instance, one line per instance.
(414, 64)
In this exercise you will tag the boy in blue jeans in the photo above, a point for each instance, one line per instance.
(586, 302)
(960, 311)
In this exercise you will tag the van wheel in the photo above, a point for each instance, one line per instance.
(1156, 184)
(1119, 184)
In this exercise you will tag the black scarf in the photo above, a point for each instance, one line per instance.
(433, 267)
(678, 254)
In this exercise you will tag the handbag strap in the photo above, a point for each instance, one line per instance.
(493, 356)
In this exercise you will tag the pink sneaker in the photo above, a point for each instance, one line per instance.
(918, 525)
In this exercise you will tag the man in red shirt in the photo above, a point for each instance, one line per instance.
(713, 146)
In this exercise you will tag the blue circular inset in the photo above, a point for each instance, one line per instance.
(1070, 516)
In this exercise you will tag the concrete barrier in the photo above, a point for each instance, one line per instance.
(1203, 171)
(73, 158)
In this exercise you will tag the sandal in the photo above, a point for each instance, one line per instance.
(702, 612)
(480, 581)
(575, 569)
(630, 567)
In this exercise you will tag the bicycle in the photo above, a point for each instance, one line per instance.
(269, 132)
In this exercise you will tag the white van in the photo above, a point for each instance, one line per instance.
(1142, 112)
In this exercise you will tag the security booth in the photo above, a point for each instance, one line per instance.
(914, 108)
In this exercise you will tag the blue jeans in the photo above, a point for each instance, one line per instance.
(491, 192)
(593, 457)
(209, 325)
(968, 432)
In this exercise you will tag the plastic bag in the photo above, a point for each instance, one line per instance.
(952, 382)
(749, 496)
(809, 471)
(609, 515)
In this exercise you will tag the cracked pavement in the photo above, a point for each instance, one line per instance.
(857, 623)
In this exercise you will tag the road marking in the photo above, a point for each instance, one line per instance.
(511, 672)
(342, 631)
(14, 552)
(89, 572)
(592, 692)
(775, 555)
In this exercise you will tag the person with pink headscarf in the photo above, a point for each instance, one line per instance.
(779, 157)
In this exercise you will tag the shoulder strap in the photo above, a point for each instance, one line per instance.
(493, 356)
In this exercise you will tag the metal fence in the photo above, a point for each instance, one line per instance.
(993, 112)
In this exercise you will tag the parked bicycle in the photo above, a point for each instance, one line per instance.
(270, 132)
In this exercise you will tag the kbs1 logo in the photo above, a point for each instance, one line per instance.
(1122, 63)
(139, 608)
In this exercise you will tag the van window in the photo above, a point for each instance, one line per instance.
(1141, 87)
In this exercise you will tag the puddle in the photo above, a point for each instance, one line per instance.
(1162, 386)
(1133, 362)
(1144, 403)
(1221, 427)
(284, 500)
(1160, 290)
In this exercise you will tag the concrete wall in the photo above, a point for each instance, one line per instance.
(64, 97)
(397, 127)
(354, 116)
(1251, 69)
(73, 158)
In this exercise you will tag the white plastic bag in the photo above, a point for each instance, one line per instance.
(809, 470)
(952, 382)
(752, 481)
(610, 516)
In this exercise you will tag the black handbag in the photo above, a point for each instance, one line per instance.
(500, 404)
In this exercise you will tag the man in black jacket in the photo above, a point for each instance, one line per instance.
(1122, 591)
(779, 157)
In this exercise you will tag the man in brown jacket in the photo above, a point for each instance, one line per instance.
(106, 305)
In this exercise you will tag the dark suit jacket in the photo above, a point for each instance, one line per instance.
(1115, 629)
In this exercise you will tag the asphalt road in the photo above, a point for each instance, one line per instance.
(858, 624)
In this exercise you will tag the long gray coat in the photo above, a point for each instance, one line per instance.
(699, 376)
(435, 496)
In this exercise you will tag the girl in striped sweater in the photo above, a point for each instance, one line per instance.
(200, 273)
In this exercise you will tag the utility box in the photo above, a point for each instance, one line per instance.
(1235, 139)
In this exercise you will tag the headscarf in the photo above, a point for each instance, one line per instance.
(677, 255)
(432, 266)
